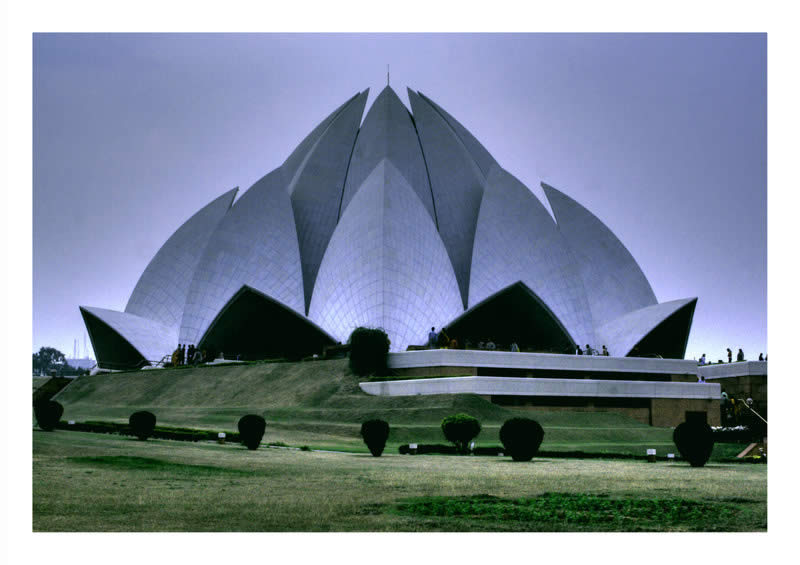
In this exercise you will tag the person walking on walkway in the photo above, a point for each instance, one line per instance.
(730, 355)
(740, 355)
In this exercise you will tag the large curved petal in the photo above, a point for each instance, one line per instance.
(125, 341)
(298, 157)
(255, 244)
(388, 133)
(457, 183)
(517, 240)
(614, 282)
(385, 266)
(482, 157)
(661, 329)
(160, 294)
(317, 186)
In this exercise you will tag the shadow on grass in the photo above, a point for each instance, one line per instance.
(131, 463)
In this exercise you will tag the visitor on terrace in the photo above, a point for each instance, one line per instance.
(432, 339)
(605, 352)
(740, 355)
(702, 359)
(443, 340)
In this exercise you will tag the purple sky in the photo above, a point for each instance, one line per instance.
(663, 137)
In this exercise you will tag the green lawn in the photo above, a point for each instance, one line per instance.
(97, 482)
(320, 404)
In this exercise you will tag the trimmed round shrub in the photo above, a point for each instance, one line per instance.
(142, 424)
(460, 429)
(251, 430)
(521, 438)
(375, 434)
(48, 413)
(694, 441)
(368, 350)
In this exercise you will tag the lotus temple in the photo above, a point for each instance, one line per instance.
(404, 221)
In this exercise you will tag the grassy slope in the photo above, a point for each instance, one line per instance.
(98, 482)
(320, 404)
(38, 382)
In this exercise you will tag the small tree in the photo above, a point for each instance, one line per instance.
(460, 429)
(694, 441)
(48, 358)
(142, 424)
(368, 350)
(375, 434)
(251, 430)
(521, 438)
(48, 413)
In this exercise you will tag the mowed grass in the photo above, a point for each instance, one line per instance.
(97, 482)
(319, 404)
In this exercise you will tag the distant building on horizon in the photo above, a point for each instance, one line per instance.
(404, 222)
(84, 363)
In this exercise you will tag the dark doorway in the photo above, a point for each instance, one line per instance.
(515, 314)
(254, 326)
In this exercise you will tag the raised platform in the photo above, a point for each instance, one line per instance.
(659, 392)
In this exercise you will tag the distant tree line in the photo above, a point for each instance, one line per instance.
(49, 359)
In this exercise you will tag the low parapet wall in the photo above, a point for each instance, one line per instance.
(513, 386)
(731, 370)
(539, 361)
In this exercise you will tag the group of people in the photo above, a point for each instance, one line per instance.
(739, 357)
(591, 351)
(440, 340)
(187, 355)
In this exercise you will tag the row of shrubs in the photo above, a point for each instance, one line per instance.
(142, 424)
(521, 437)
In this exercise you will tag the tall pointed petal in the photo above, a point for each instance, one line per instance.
(614, 282)
(317, 186)
(255, 244)
(388, 133)
(517, 240)
(457, 185)
(385, 266)
(298, 156)
(478, 152)
(160, 294)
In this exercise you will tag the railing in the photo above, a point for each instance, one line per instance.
(751, 410)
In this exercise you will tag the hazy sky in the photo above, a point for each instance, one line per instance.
(663, 137)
